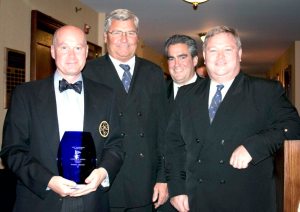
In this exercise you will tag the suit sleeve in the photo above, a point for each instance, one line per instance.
(161, 110)
(112, 154)
(175, 155)
(16, 148)
(282, 123)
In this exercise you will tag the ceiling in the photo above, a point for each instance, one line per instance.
(266, 27)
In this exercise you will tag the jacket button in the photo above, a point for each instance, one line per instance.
(197, 140)
(222, 181)
(120, 114)
(222, 142)
(200, 180)
(141, 155)
(221, 161)
(139, 114)
(199, 161)
(123, 135)
(141, 134)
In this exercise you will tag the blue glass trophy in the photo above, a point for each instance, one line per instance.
(76, 157)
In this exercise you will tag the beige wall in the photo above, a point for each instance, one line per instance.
(147, 52)
(290, 57)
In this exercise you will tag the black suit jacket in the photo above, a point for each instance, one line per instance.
(254, 113)
(170, 93)
(31, 140)
(143, 122)
(171, 104)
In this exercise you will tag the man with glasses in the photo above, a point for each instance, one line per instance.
(140, 88)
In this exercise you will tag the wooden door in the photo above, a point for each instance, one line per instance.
(42, 30)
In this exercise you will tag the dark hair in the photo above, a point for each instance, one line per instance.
(190, 42)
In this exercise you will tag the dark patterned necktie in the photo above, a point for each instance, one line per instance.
(215, 103)
(126, 78)
(64, 85)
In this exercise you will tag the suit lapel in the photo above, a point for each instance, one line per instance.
(227, 114)
(199, 104)
(170, 90)
(136, 86)
(197, 107)
(89, 106)
(170, 94)
(111, 78)
(46, 108)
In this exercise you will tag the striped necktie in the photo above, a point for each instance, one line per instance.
(215, 103)
(126, 78)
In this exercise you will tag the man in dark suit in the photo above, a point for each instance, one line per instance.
(220, 147)
(182, 56)
(141, 97)
(40, 113)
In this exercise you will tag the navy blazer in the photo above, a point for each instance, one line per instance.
(31, 140)
(142, 112)
(254, 113)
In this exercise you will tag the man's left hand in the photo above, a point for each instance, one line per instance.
(92, 182)
(160, 194)
(240, 158)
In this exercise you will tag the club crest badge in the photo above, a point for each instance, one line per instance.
(104, 129)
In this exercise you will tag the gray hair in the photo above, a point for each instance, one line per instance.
(122, 15)
(222, 29)
(184, 39)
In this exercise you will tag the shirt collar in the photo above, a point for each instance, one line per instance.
(226, 84)
(192, 80)
(130, 62)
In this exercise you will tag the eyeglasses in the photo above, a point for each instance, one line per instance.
(120, 33)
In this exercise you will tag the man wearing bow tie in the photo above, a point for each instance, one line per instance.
(40, 113)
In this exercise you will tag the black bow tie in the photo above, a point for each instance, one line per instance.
(64, 85)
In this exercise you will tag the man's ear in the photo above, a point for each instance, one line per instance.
(195, 60)
(52, 52)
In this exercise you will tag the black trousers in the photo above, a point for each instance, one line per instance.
(147, 208)
(167, 207)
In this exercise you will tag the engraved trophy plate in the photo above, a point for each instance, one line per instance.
(76, 157)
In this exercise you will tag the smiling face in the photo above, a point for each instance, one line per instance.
(121, 45)
(69, 50)
(222, 57)
(181, 63)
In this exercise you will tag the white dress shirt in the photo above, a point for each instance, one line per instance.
(70, 107)
(70, 111)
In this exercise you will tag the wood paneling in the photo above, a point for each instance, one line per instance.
(42, 30)
(288, 176)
